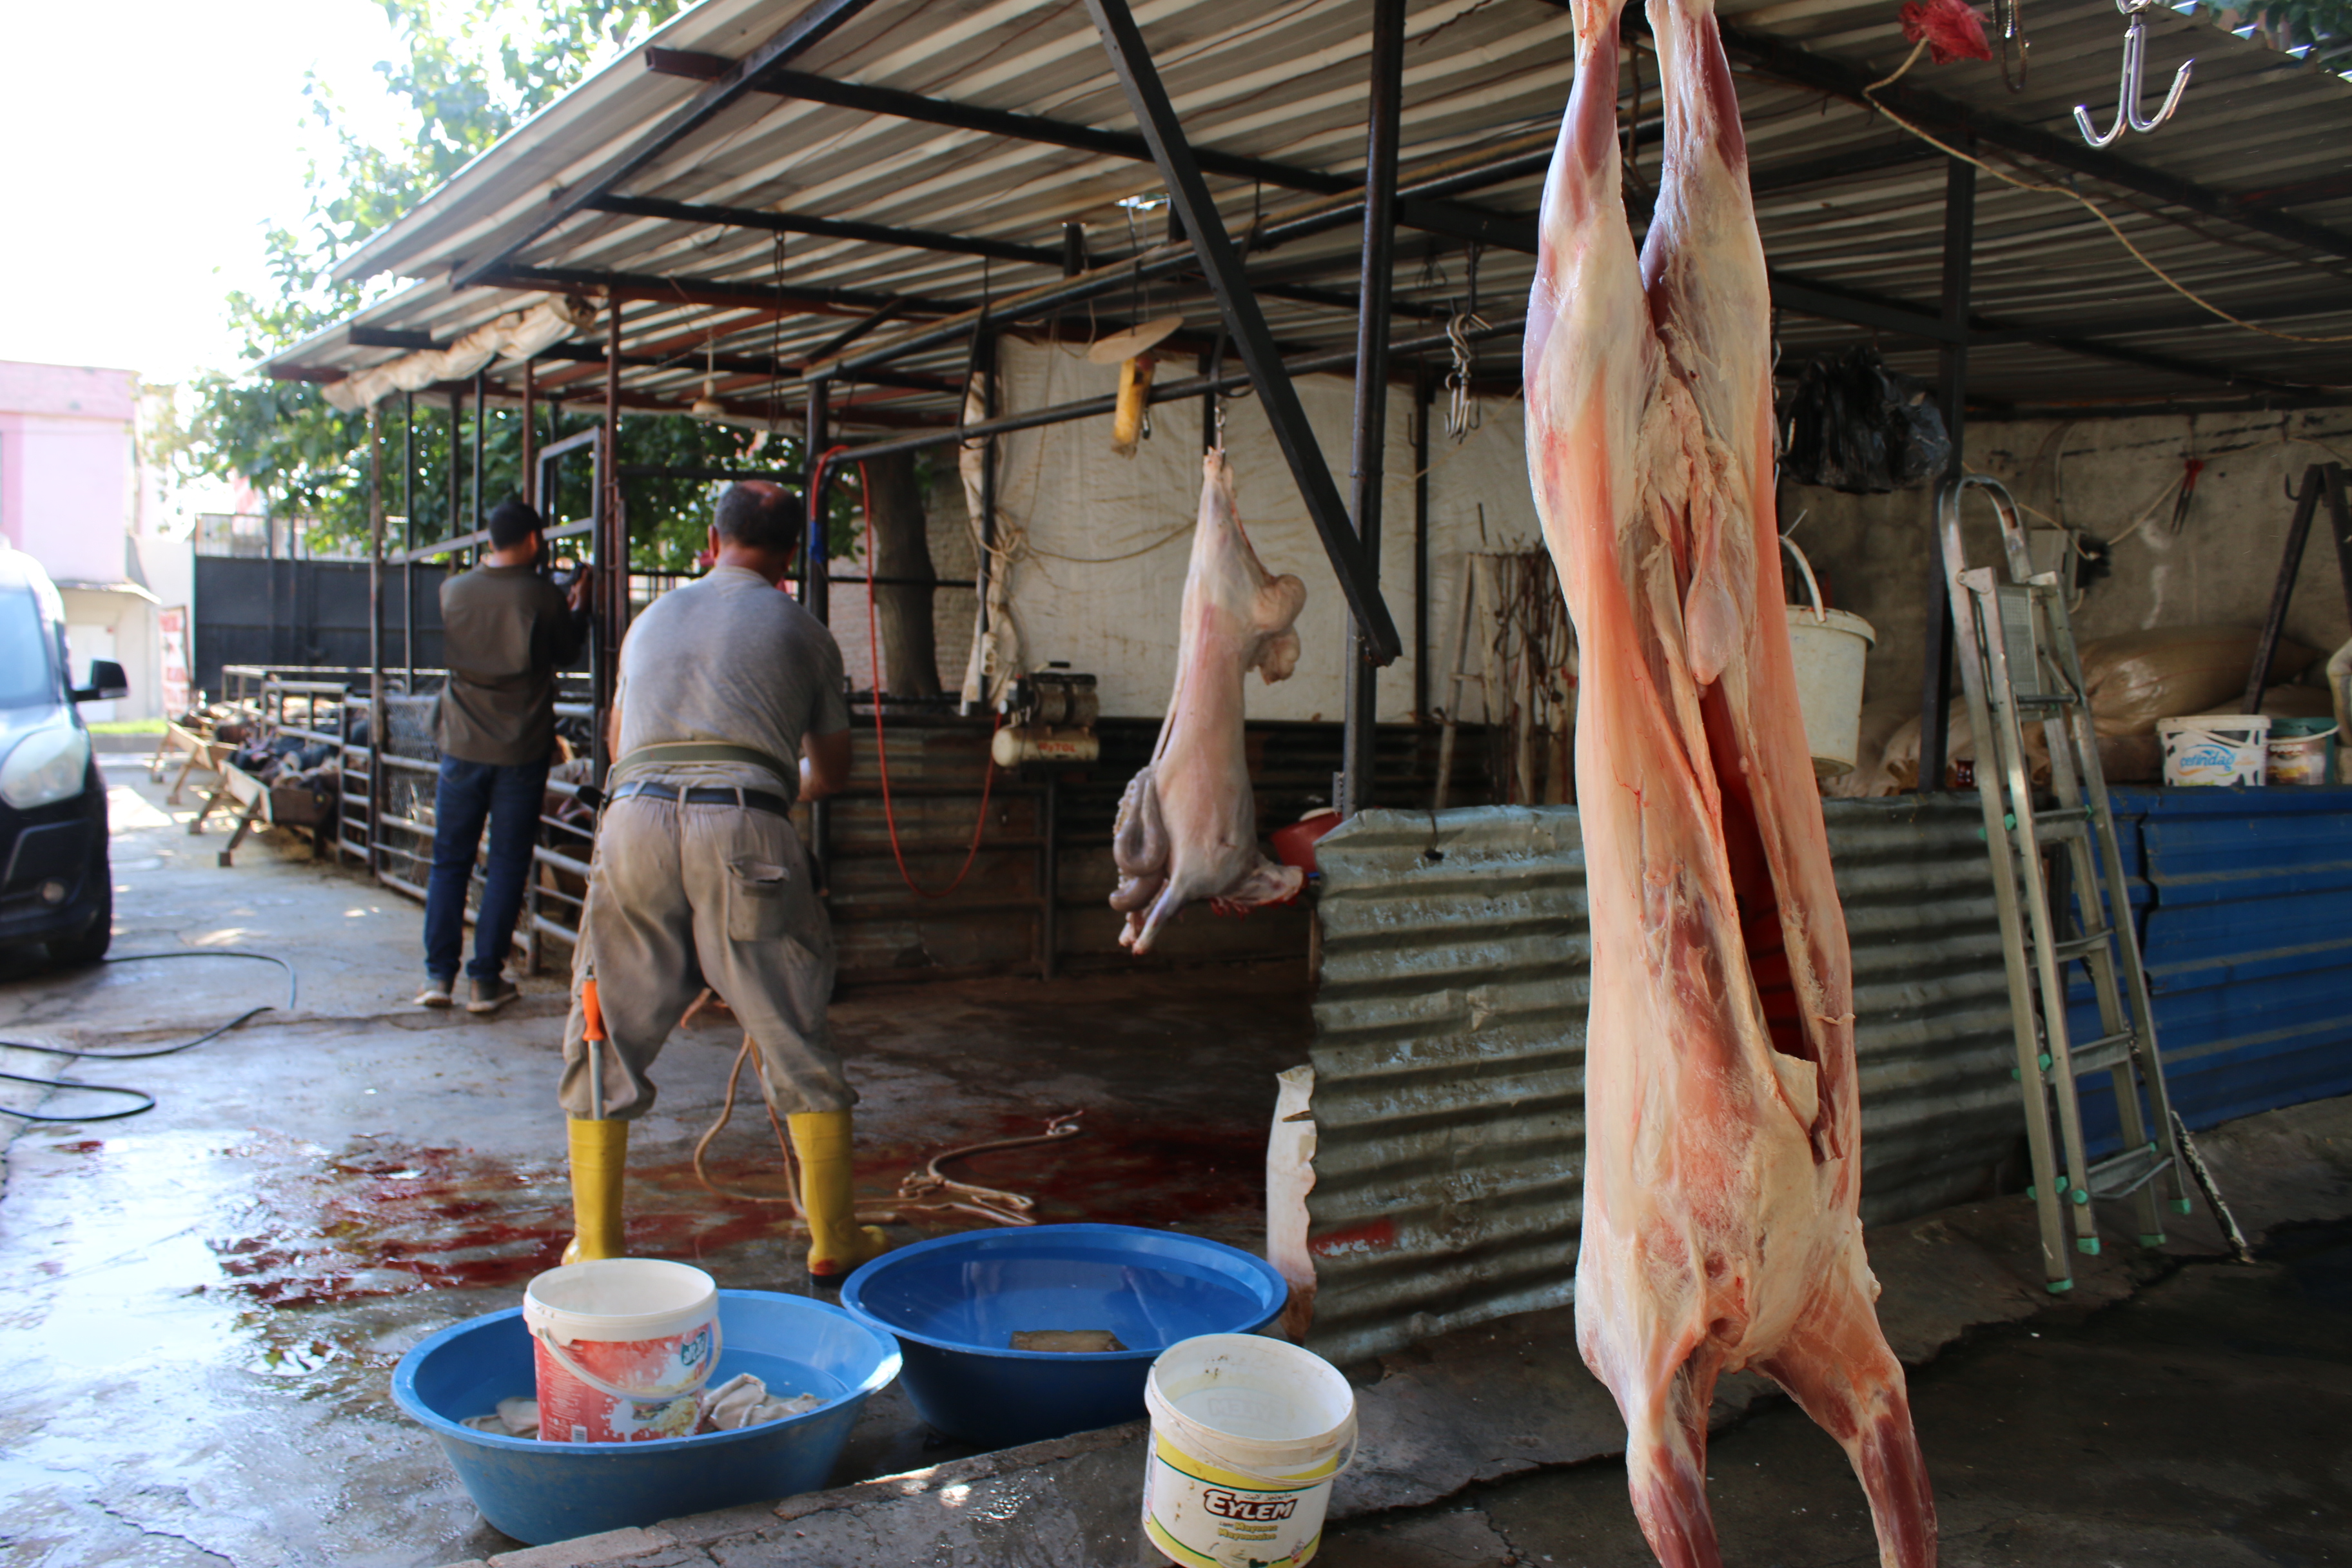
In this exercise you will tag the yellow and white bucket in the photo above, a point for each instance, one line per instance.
(1247, 1435)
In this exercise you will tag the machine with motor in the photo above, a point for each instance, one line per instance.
(1049, 719)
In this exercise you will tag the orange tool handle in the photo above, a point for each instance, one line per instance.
(592, 1011)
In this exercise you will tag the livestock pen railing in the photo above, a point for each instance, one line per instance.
(909, 895)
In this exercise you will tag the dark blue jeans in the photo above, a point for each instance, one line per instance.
(468, 794)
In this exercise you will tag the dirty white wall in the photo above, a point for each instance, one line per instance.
(1874, 553)
(1108, 537)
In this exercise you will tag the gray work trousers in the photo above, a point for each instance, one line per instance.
(680, 897)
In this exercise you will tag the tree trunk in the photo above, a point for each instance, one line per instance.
(911, 664)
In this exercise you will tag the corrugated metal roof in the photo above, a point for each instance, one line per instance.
(1449, 1053)
(1844, 199)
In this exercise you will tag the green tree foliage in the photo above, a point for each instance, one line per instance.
(474, 69)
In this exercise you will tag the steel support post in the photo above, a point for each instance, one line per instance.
(610, 592)
(529, 478)
(1952, 356)
(481, 431)
(376, 746)
(816, 588)
(817, 596)
(456, 466)
(1424, 398)
(407, 545)
(1222, 265)
(1360, 705)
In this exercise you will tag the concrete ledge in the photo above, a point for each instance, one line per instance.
(1487, 1402)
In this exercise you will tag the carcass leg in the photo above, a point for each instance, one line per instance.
(1665, 1463)
(1836, 1365)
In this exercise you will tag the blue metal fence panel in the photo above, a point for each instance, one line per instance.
(2243, 903)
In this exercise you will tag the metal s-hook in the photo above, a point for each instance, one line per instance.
(2128, 84)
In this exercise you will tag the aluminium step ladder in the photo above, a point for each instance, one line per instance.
(2018, 666)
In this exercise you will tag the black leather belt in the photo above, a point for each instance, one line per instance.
(710, 795)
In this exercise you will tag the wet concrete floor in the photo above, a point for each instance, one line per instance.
(200, 1307)
(2205, 1423)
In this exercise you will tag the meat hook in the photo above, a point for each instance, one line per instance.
(2127, 87)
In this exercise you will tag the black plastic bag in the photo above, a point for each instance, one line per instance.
(1857, 427)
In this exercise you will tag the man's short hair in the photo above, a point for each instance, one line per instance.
(760, 516)
(511, 522)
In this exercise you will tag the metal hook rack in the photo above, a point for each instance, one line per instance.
(2128, 86)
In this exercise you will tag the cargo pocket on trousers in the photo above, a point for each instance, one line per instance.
(757, 908)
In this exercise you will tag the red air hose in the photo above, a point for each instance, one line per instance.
(881, 744)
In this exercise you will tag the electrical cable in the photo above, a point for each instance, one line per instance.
(147, 1100)
(881, 745)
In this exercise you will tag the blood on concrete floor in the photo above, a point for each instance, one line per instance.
(202, 1305)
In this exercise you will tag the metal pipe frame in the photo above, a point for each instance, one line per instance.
(1936, 666)
(1189, 195)
(1161, 392)
(408, 538)
(1377, 269)
(816, 593)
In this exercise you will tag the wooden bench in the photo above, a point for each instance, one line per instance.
(263, 806)
(203, 751)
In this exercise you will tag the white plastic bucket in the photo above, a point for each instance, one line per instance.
(1830, 649)
(622, 1347)
(2301, 755)
(2215, 749)
(1248, 1435)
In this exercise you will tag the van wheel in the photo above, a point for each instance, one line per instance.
(90, 946)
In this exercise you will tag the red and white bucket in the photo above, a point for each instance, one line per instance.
(622, 1348)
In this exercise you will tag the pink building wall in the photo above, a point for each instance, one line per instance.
(68, 467)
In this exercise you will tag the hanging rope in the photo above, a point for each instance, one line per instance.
(2086, 203)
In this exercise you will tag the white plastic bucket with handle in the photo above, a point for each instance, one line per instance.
(622, 1347)
(1829, 648)
(2215, 749)
(1247, 1435)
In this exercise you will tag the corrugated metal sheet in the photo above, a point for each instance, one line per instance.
(2244, 904)
(1449, 1052)
(1286, 81)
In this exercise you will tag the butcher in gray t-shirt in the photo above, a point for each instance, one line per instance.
(730, 708)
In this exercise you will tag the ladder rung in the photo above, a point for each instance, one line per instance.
(2126, 1173)
(2057, 826)
(2044, 698)
(2076, 947)
(2104, 1052)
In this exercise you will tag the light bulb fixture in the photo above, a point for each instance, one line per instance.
(708, 406)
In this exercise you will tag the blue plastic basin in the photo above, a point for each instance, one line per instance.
(955, 1304)
(538, 1492)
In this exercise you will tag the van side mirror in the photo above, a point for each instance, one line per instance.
(106, 682)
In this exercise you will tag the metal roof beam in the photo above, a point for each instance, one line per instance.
(1799, 66)
(828, 228)
(1813, 296)
(817, 22)
(1358, 575)
(711, 291)
(1434, 216)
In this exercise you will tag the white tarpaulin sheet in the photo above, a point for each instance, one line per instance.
(1102, 540)
(518, 334)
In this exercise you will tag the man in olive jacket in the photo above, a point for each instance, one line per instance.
(505, 630)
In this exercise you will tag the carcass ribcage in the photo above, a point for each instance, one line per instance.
(1719, 1223)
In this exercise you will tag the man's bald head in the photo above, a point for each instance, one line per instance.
(755, 514)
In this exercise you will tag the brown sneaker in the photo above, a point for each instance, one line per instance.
(436, 992)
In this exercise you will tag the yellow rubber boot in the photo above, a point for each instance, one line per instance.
(837, 1243)
(600, 1155)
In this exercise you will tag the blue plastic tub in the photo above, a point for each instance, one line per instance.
(955, 1304)
(538, 1492)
